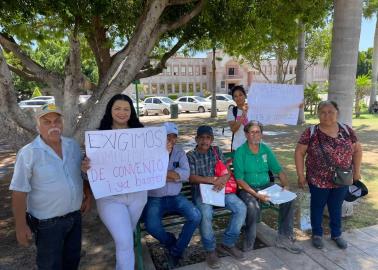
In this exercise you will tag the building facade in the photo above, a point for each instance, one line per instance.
(193, 76)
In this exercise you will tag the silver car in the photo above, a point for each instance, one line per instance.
(32, 104)
(224, 101)
(156, 105)
(194, 103)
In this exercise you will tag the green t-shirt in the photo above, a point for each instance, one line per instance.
(253, 168)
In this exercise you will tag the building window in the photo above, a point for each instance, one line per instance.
(291, 70)
(197, 69)
(154, 89)
(146, 89)
(203, 70)
(190, 89)
(274, 70)
(169, 70)
(175, 70)
(198, 87)
(183, 88)
(231, 72)
(204, 87)
(270, 70)
(162, 88)
(169, 88)
(190, 70)
(223, 84)
(177, 87)
(183, 70)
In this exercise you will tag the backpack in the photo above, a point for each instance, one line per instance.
(235, 114)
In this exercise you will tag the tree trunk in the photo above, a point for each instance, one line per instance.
(214, 90)
(300, 72)
(280, 69)
(345, 40)
(374, 75)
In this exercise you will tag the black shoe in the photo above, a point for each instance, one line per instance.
(340, 242)
(317, 241)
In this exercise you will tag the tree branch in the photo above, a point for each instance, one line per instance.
(183, 19)
(26, 75)
(52, 78)
(161, 65)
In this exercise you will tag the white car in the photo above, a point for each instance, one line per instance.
(140, 105)
(194, 103)
(156, 105)
(49, 99)
(32, 104)
(224, 101)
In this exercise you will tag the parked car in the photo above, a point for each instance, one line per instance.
(224, 101)
(156, 105)
(194, 103)
(50, 99)
(32, 104)
(140, 105)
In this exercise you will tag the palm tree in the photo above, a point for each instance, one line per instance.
(363, 85)
(370, 10)
(345, 39)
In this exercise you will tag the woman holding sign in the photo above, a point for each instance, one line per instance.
(237, 116)
(120, 213)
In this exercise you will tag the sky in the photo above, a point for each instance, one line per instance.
(366, 36)
(367, 33)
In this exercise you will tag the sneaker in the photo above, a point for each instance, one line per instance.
(317, 241)
(232, 251)
(340, 242)
(288, 244)
(212, 260)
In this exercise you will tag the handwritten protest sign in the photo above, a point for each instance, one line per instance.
(274, 103)
(126, 160)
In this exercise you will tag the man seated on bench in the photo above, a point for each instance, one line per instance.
(202, 160)
(168, 200)
(252, 161)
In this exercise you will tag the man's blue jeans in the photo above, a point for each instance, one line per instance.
(58, 242)
(232, 232)
(154, 212)
(333, 198)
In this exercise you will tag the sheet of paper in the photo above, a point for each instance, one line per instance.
(277, 195)
(126, 160)
(273, 104)
(210, 196)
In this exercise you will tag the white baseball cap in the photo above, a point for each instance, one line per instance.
(171, 128)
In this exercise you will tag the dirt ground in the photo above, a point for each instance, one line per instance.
(98, 248)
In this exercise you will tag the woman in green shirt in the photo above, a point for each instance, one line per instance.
(252, 162)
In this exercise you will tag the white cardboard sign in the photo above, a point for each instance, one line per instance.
(126, 160)
(274, 103)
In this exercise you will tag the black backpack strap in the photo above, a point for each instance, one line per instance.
(235, 113)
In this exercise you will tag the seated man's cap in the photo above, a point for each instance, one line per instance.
(48, 108)
(355, 191)
(171, 128)
(205, 130)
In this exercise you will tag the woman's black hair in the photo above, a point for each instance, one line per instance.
(107, 120)
(237, 88)
(328, 102)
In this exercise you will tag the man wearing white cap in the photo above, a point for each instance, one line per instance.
(48, 193)
(169, 200)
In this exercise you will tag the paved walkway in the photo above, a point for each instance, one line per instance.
(362, 254)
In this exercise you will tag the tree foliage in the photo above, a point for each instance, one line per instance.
(364, 64)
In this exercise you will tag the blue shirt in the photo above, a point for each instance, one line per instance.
(54, 185)
(178, 162)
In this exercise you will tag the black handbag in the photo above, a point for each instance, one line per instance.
(342, 177)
